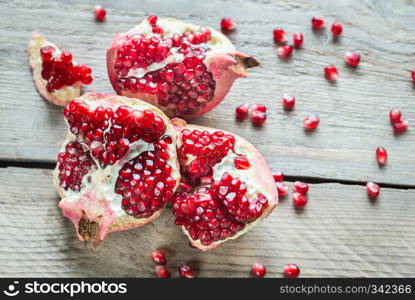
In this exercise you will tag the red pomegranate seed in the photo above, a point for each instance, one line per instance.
(311, 122)
(288, 102)
(395, 116)
(241, 163)
(298, 39)
(336, 28)
(401, 126)
(381, 155)
(152, 20)
(227, 24)
(318, 22)
(372, 190)
(100, 12)
(331, 73)
(285, 51)
(258, 117)
(158, 257)
(413, 76)
(282, 189)
(162, 272)
(258, 270)
(186, 271)
(299, 200)
(291, 270)
(300, 187)
(279, 35)
(241, 112)
(352, 59)
(278, 176)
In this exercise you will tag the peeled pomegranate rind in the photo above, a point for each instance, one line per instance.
(96, 210)
(59, 97)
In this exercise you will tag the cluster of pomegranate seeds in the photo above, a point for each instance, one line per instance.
(108, 132)
(299, 200)
(288, 102)
(227, 24)
(162, 272)
(298, 39)
(241, 112)
(285, 51)
(100, 13)
(159, 257)
(279, 35)
(258, 270)
(318, 22)
(336, 28)
(241, 162)
(145, 182)
(373, 190)
(381, 156)
(186, 271)
(311, 122)
(352, 59)
(300, 187)
(399, 125)
(74, 163)
(291, 270)
(59, 70)
(331, 73)
(258, 114)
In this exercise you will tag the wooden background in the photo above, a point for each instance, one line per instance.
(340, 232)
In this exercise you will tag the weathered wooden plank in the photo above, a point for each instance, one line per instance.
(353, 111)
(340, 233)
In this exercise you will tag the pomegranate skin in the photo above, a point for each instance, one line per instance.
(225, 64)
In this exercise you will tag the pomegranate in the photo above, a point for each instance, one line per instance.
(300, 187)
(395, 115)
(241, 112)
(298, 39)
(162, 272)
(279, 35)
(100, 13)
(225, 199)
(299, 199)
(318, 22)
(159, 257)
(186, 271)
(413, 76)
(57, 77)
(311, 122)
(291, 270)
(381, 156)
(282, 189)
(278, 176)
(118, 166)
(258, 114)
(227, 24)
(336, 28)
(352, 59)
(285, 51)
(288, 102)
(184, 69)
(372, 190)
(331, 73)
(258, 270)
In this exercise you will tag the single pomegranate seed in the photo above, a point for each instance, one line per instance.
(318, 22)
(279, 35)
(372, 190)
(401, 126)
(186, 271)
(300, 187)
(331, 73)
(258, 114)
(258, 270)
(152, 20)
(299, 200)
(336, 28)
(413, 76)
(278, 176)
(285, 51)
(241, 163)
(158, 257)
(395, 116)
(291, 270)
(298, 39)
(162, 272)
(352, 59)
(288, 102)
(282, 189)
(227, 24)
(241, 111)
(311, 122)
(381, 155)
(100, 12)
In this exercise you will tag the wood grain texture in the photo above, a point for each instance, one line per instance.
(353, 112)
(340, 233)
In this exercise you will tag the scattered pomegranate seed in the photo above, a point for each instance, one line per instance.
(278, 176)
(311, 122)
(336, 28)
(159, 257)
(152, 20)
(288, 102)
(298, 39)
(331, 73)
(241, 162)
(186, 271)
(227, 24)
(285, 51)
(241, 111)
(413, 76)
(100, 13)
(279, 35)
(162, 272)
(352, 59)
(381, 155)
(282, 189)
(299, 200)
(318, 22)
(401, 126)
(372, 190)
(291, 270)
(258, 270)
(395, 115)
(300, 187)
(258, 114)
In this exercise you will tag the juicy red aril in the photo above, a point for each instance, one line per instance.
(241, 112)
(336, 28)
(288, 102)
(100, 12)
(279, 35)
(258, 270)
(331, 73)
(352, 59)
(74, 163)
(227, 24)
(413, 76)
(299, 200)
(285, 51)
(186, 271)
(241, 163)
(372, 190)
(278, 176)
(46, 53)
(162, 272)
(395, 116)
(318, 22)
(159, 257)
(311, 122)
(291, 270)
(300, 187)
(381, 155)
(298, 39)
(401, 126)
(258, 116)
(282, 188)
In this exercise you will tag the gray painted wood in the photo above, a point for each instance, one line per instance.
(340, 233)
(354, 111)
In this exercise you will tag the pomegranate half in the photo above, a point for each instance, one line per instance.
(118, 166)
(184, 69)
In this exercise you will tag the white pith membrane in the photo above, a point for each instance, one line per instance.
(97, 197)
(58, 97)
